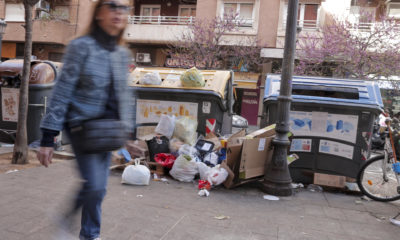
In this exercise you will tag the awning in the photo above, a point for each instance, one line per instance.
(246, 80)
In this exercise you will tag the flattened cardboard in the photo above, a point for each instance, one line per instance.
(329, 180)
(256, 153)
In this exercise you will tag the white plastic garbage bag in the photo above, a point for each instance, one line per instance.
(152, 78)
(203, 170)
(217, 175)
(211, 158)
(186, 149)
(136, 174)
(185, 129)
(166, 125)
(184, 169)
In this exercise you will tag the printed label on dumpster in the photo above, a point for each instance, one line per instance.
(149, 111)
(301, 145)
(335, 148)
(9, 104)
(323, 124)
(207, 107)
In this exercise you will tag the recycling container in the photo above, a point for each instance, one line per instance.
(331, 121)
(211, 105)
(41, 83)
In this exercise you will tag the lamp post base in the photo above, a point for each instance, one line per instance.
(277, 189)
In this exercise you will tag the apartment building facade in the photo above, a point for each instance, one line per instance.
(55, 23)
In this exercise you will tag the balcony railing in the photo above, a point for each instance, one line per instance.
(305, 24)
(369, 26)
(161, 20)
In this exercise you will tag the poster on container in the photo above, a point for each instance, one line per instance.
(150, 111)
(335, 148)
(300, 145)
(323, 124)
(9, 104)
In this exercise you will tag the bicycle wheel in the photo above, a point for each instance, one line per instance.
(372, 183)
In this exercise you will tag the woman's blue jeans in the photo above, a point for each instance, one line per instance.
(94, 169)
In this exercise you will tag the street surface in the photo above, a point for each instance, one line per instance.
(32, 198)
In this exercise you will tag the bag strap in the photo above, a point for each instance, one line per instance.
(137, 161)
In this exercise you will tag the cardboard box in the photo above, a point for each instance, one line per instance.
(234, 150)
(256, 153)
(268, 131)
(329, 180)
(138, 149)
(145, 132)
(246, 158)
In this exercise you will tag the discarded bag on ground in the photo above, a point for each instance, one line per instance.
(204, 147)
(217, 175)
(152, 78)
(192, 78)
(184, 169)
(165, 159)
(186, 149)
(185, 130)
(203, 170)
(136, 174)
(158, 144)
(166, 125)
(211, 159)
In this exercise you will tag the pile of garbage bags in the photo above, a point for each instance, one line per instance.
(186, 157)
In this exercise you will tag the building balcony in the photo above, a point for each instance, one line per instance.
(55, 32)
(156, 29)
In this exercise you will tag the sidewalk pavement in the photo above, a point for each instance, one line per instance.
(32, 198)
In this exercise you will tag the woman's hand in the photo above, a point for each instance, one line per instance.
(44, 155)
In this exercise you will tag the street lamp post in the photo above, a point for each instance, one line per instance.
(277, 180)
(3, 26)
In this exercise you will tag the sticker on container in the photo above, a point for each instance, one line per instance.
(335, 148)
(261, 144)
(301, 145)
(323, 124)
(211, 123)
(9, 104)
(150, 111)
(207, 107)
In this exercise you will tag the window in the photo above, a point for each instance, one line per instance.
(362, 17)
(394, 10)
(245, 12)
(187, 10)
(150, 10)
(150, 13)
(15, 12)
(307, 16)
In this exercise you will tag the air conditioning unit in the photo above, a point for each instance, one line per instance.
(143, 57)
(43, 5)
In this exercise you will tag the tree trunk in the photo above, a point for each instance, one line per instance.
(20, 155)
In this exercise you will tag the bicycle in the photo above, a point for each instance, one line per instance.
(379, 177)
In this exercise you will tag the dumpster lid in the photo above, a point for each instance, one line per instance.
(216, 80)
(41, 72)
(327, 90)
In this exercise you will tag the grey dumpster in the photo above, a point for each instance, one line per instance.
(331, 120)
(41, 83)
